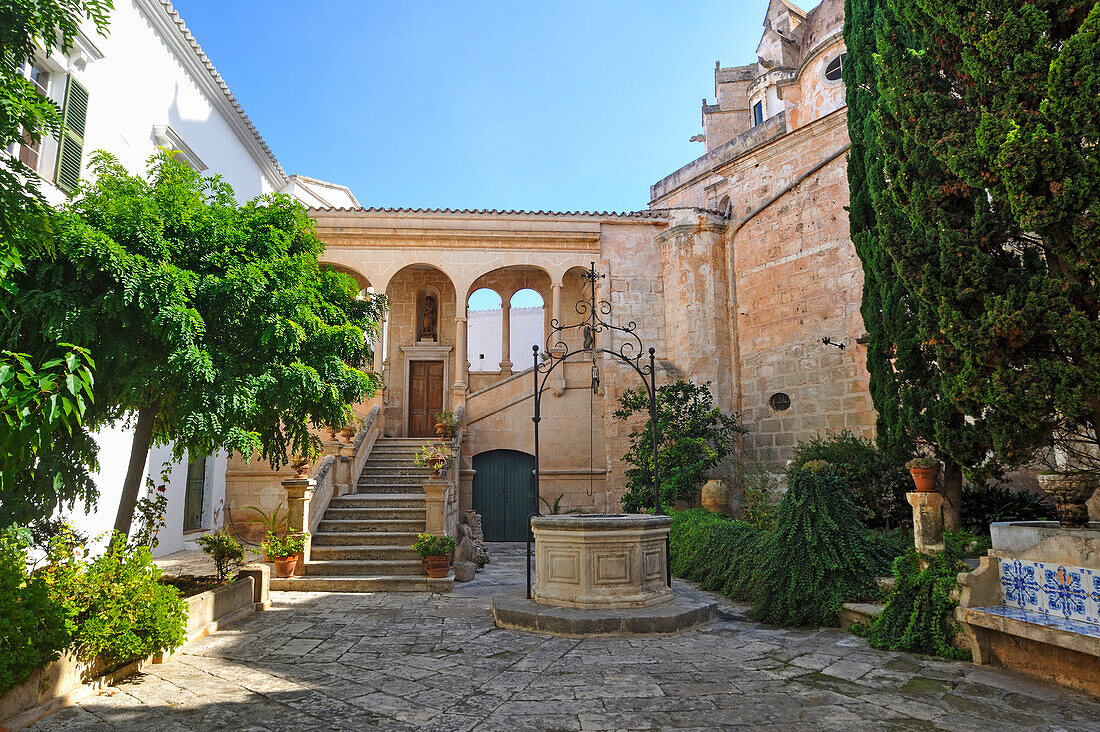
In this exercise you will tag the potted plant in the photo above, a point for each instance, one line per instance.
(446, 425)
(437, 456)
(436, 552)
(285, 552)
(1070, 491)
(274, 523)
(924, 470)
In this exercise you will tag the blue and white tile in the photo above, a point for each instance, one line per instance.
(1045, 619)
(1021, 582)
(1063, 591)
(1092, 604)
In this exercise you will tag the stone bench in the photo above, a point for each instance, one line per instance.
(1031, 608)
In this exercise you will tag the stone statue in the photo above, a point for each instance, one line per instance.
(471, 528)
(429, 318)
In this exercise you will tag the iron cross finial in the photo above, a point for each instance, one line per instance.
(592, 275)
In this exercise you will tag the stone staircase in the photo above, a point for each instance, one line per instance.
(364, 540)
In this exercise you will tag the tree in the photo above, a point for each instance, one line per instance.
(694, 435)
(906, 381)
(44, 457)
(214, 326)
(991, 123)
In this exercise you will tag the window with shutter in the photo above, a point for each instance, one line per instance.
(70, 146)
(194, 494)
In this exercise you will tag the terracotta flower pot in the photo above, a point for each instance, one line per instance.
(1070, 491)
(284, 566)
(924, 479)
(438, 567)
(716, 496)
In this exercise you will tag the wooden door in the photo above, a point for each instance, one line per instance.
(425, 396)
(504, 493)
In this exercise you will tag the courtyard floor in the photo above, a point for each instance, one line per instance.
(436, 662)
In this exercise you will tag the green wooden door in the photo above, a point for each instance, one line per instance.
(504, 493)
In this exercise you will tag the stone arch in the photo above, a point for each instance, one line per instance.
(360, 279)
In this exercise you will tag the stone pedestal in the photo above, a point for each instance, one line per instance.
(435, 492)
(299, 492)
(927, 521)
(593, 561)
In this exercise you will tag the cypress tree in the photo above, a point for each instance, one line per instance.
(905, 383)
(991, 124)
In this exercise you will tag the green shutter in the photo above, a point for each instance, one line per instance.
(70, 146)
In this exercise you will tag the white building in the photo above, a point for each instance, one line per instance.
(149, 84)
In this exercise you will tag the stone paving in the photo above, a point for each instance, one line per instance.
(435, 662)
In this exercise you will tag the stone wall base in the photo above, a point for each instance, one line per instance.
(1041, 660)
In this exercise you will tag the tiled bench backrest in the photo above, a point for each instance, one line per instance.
(1072, 593)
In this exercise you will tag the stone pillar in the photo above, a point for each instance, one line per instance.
(505, 338)
(555, 302)
(299, 492)
(460, 353)
(557, 379)
(435, 496)
(927, 521)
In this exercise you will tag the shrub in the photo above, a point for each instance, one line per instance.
(877, 483)
(429, 545)
(33, 628)
(919, 616)
(758, 490)
(963, 543)
(694, 436)
(282, 547)
(126, 613)
(819, 556)
(227, 553)
(718, 553)
(985, 504)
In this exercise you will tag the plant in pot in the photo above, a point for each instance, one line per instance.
(437, 456)
(436, 552)
(285, 552)
(274, 523)
(1070, 491)
(924, 470)
(446, 425)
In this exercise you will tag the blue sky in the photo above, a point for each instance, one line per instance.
(476, 104)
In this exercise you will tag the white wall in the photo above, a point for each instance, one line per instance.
(483, 337)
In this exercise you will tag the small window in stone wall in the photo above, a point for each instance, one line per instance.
(780, 402)
(835, 70)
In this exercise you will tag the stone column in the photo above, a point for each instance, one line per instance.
(299, 492)
(435, 496)
(927, 521)
(505, 338)
(555, 300)
(460, 353)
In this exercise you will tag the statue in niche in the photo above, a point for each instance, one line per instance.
(428, 320)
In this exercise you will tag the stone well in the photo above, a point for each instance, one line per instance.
(593, 561)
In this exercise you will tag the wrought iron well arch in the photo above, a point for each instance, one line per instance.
(595, 320)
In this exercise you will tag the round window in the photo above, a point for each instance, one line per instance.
(780, 402)
(835, 70)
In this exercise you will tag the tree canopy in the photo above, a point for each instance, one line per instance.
(44, 457)
(212, 324)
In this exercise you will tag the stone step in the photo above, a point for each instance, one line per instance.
(395, 469)
(389, 500)
(382, 459)
(330, 525)
(363, 538)
(374, 583)
(388, 489)
(405, 480)
(362, 567)
(398, 513)
(380, 552)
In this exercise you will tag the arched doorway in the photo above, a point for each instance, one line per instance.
(504, 490)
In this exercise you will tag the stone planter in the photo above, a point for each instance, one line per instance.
(69, 679)
(924, 479)
(1070, 491)
(437, 567)
(715, 496)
